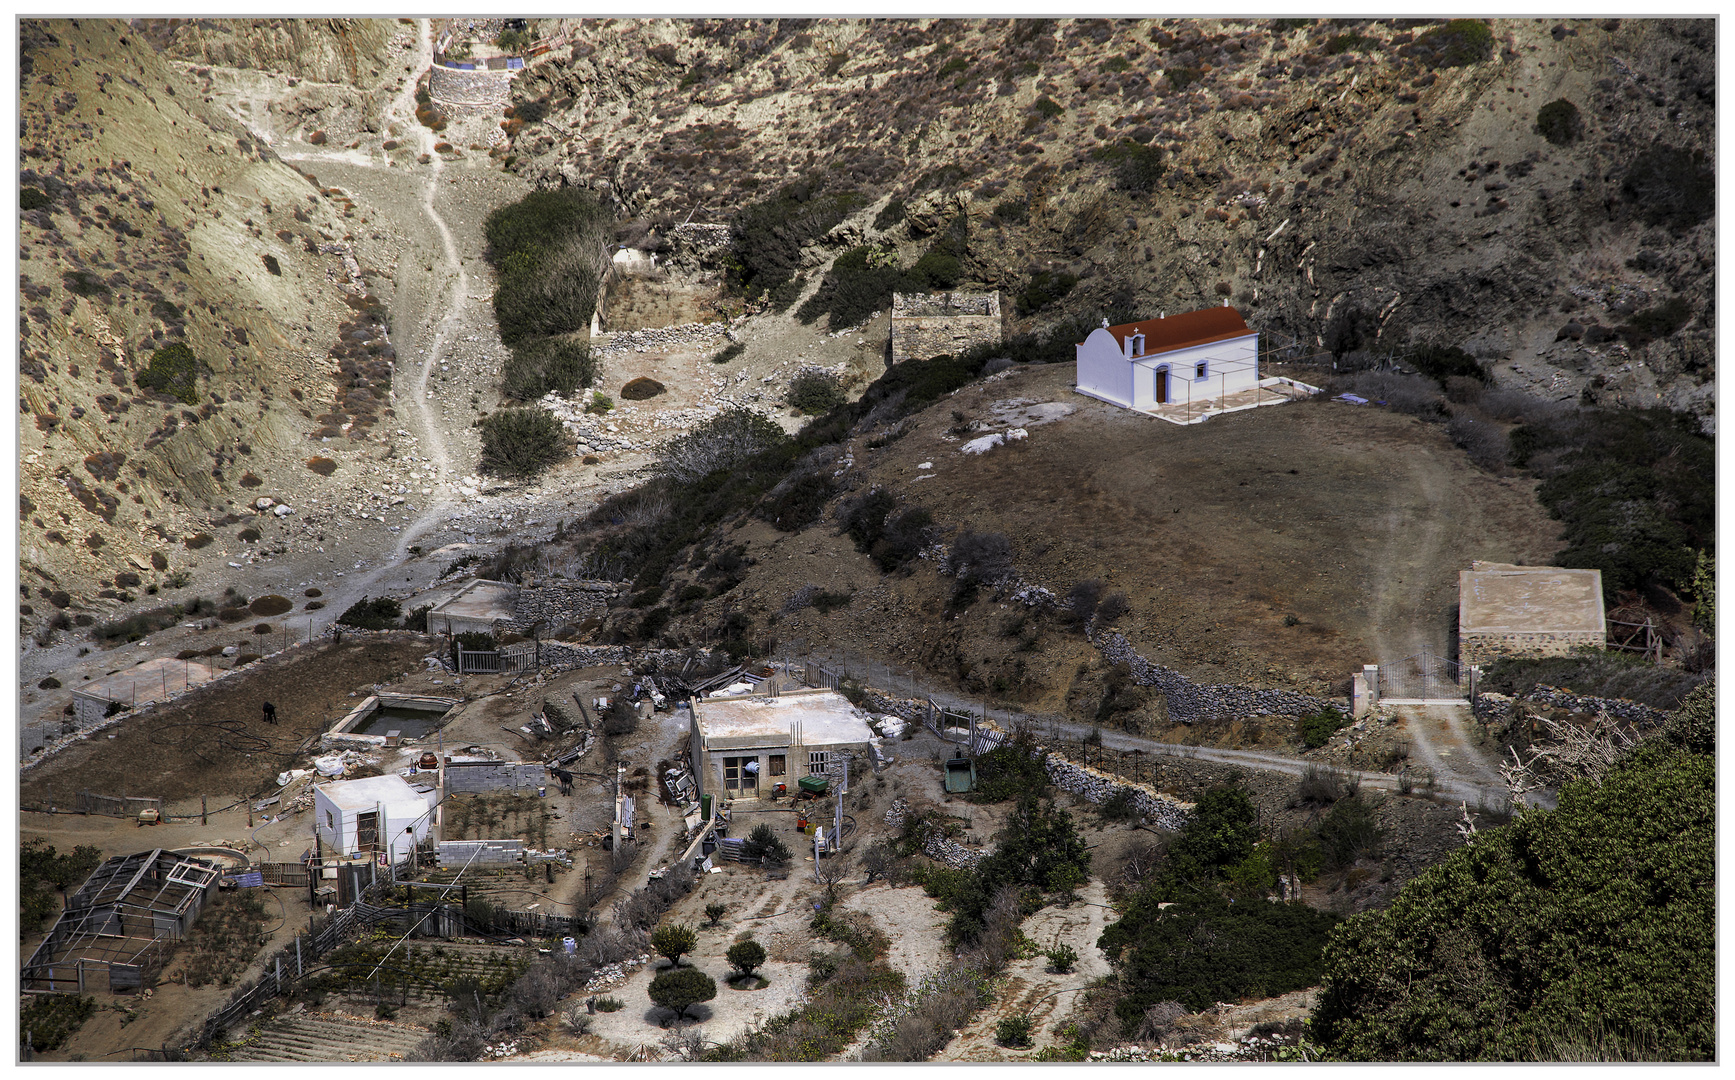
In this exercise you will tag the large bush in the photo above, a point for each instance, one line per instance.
(1671, 186)
(814, 392)
(379, 613)
(1559, 122)
(1595, 672)
(538, 365)
(1635, 489)
(1581, 933)
(1459, 43)
(767, 237)
(722, 442)
(682, 988)
(547, 250)
(173, 370)
(521, 442)
(1205, 949)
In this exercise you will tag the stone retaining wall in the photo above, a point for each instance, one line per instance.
(564, 603)
(1153, 806)
(473, 93)
(693, 246)
(1189, 702)
(1491, 708)
(935, 844)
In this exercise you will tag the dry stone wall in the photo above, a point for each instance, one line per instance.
(1491, 708)
(935, 844)
(1155, 807)
(1189, 702)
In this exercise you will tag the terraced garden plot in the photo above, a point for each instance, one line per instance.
(497, 817)
(327, 1037)
(431, 970)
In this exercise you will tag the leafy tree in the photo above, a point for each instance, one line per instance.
(1039, 851)
(1222, 831)
(1589, 929)
(745, 956)
(679, 989)
(714, 912)
(672, 940)
(1010, 771)
(41, 868)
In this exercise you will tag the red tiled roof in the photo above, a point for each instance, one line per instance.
(1184, 330)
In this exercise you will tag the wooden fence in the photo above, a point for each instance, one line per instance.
(524, 656)
(121, 806)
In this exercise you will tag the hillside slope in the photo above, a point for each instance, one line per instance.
(1340, 180)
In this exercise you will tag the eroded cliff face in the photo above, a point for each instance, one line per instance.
(1340, 181)
(153, 219)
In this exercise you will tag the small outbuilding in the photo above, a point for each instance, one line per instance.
(475, 609)
(373, 814)
(747, 747)
(1508, 610)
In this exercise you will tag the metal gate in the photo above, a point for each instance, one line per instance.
(1426, 676)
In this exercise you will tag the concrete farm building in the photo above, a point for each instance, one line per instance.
(744, 747)
(1507, 610)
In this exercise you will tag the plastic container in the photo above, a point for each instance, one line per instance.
(814, 785)
(705, 807)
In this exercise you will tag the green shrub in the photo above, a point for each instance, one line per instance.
(1137, 167)
(714, 912)
(522, 442)
(767, 237)
(381, 613)
(1204, 950)
(864, 517)
(1061, 958)
(1047, 107)
(1182, 77)
(1442, 362)
(1011, 771)
(1046, 286)
(1581, 933)
(1559, 122)
(536, 366)
(1655, 322)
(1012, 211)
(1671, 186)
(1316, 729)
(30, 198)
(173, 370)
(1348, 832)
(1595, 673)
(860, 282)
(139, 625)
(1351, 42)
(764, 843)
(672, 940)
(476, 641)
(51, 1019)
(798, 501)
(83, 283)
(609, 1004)
(1013, 1031)
(1459, 43)
(890, 215)
(547, 252)
(682, 988)
(813, 393)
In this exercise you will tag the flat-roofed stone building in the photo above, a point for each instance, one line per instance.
(747, 747)
(1508, 610)
(926, 325)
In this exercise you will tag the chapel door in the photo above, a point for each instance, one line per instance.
(1160, 390)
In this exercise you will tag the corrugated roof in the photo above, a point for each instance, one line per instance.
(1184, 330)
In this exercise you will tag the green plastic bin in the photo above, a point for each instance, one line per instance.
(814, 785)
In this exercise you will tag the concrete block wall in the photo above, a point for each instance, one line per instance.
(490, 776)
(480, 852)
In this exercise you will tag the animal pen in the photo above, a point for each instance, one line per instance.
(119, 926)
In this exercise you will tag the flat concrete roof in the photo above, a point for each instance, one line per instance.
(369, 791)
(481, 599)
(826, 717)
(152, 680)
(1500, 598)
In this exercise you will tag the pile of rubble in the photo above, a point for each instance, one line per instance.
(1250, 1048)
(615, 974)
